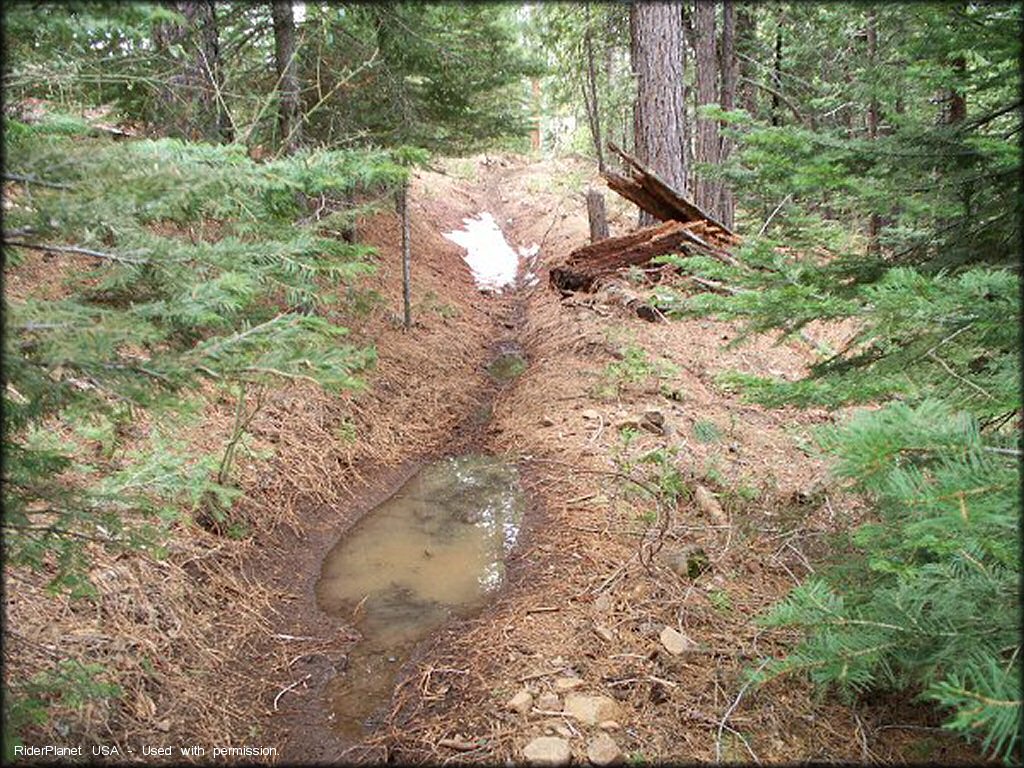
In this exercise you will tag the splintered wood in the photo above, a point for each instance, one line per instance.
(686, 229)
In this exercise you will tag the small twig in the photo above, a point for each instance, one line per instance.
(76, 250)
(729, 711)
(543, 609)
(297, 638)
(536, 675)
(764, 227)
(35, 180)
(458, 744)
(294, 685)
(957, 376)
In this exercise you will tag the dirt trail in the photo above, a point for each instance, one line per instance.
(580, 611)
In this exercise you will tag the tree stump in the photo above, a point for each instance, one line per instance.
(598, 217)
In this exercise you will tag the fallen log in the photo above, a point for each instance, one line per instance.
(649, 191)
(686, 229)
(590, 262)
(587, 264)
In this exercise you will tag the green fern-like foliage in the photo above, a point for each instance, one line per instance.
(924, 594)
(930, 598)
(210, 267)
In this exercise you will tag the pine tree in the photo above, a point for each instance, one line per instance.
(157, 315)
(926, 597)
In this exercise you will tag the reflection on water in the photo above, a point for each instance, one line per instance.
(433, 550)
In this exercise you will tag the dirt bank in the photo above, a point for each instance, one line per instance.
(584, 602)
(221, 642)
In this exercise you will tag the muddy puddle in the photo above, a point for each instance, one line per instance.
(433, 551)
(509, 363)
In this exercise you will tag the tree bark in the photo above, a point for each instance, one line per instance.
(590, 92)
(777, 76)
(193, 103)
(746, 32)
(874, 220)
(730, 71)
(288, 118)
(597, 216)
(656, 31)
(707, 189)
(957, 104)
(402, 204)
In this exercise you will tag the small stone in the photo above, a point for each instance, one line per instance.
(591, 414)
(604, 603)
(547, 421)
(549, 702)
(163, 726)
(609, 725)
(710, 506)
(604, 633)
(675, 642)
(567, 683)
(602, 750)
(656, 417)
(688, 562)
(591, 710)
(547, 750)
(522, 703)
(562, 730)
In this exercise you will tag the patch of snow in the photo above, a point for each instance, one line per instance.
(491, 259)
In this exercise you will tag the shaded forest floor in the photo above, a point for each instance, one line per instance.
(243, 654)
(581, 612)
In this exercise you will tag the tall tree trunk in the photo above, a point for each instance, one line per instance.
(746, 34)
(874, 220)
(956, 111)
(777, 75)
(730, 71)
(706, 189)
(192, 99)
(656, 31)
(593, 111)
(288, 119)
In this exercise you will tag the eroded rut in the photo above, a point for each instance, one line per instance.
(432, 552)
(435, 550)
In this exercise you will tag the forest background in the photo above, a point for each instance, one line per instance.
(869, 154)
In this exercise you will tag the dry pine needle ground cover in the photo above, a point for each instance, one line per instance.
(204, 642)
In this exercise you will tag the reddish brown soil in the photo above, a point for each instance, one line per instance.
(222, 617)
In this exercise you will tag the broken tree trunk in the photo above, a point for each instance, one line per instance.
(587, 264)
(598, 217)
(646, 189)
(686, 229)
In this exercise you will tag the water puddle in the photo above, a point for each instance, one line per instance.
(509, 364)
(434, 550)
(493, 262)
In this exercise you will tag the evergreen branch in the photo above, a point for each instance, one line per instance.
(234, 339)
(35, 180)
(75, 250)
(957, 376)
(986, 700)
(337, 86)
(278, 372)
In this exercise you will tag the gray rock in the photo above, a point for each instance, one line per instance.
(675, 642)
(602, 750)
(567, 683)
(522, 702)
(591, 710)
(549, 702)
(547, 750)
